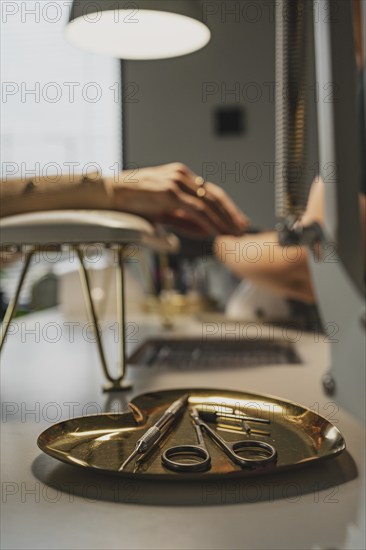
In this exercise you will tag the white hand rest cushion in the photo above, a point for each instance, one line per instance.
(83, 226)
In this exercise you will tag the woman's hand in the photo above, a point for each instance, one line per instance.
(168, 194)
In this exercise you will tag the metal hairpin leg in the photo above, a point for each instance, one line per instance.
(118, 383)
(11, 309)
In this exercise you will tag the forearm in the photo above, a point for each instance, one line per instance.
(19, 196)
(161, 194)
(260, 259)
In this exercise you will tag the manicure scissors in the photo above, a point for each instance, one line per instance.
(196, 458)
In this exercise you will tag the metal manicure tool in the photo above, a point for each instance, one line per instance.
(196, 458)
(153, 434)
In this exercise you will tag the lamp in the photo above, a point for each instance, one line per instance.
(138, 29)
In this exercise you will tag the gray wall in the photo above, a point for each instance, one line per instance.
(169, 117)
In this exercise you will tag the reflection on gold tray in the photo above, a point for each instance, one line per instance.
(103, 442)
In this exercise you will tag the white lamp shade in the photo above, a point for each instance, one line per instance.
(142, 29)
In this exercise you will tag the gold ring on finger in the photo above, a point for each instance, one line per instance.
(200, 182)
(201, 191)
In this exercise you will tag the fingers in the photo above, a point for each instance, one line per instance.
(236, 221)
(190, 213)
(183, 224)
(216, 204)
(218, 207)
(171, 191)
(204, 211)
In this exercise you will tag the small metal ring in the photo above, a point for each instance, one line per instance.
(199, 181)
(201, 190)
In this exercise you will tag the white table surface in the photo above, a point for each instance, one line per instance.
(46, 504)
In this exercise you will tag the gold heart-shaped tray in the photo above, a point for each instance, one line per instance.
(102, 442)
